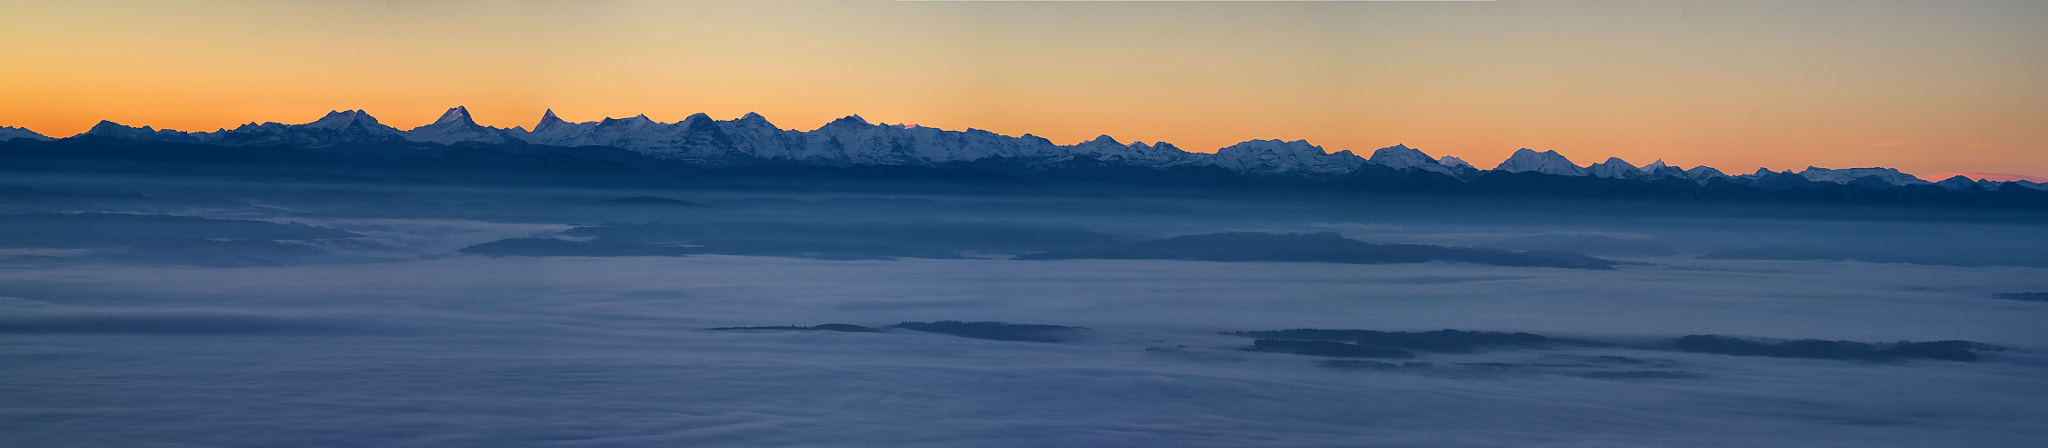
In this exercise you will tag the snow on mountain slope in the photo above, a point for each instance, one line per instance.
(343, 120)
(1526, 160)
(1455, 163)
(112, 130)
(552, 130)
(855, 141)
(456, 126)
(918, 145)
(1137, 153)
(1402, 157)
(1658, 170)
(10, 133)
(1843, 176)
(335, 128)
(637, 133)
(1273, 157)
(1615, 168)
(1703, 173)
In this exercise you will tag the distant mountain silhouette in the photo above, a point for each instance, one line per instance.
(752, 152)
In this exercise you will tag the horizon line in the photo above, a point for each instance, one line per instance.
(1980, 176)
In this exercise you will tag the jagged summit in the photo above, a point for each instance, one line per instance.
(853, 140)
(636, 120)
(849, 121)
(117, 131)
(110, 125)
(1527, 160)
(1703, 173)
(342, 119)
(457, 115)
(548, 120)
(1402, 157)
(1277, 157)
(1615, 168)
(1843, 176)
(456, 126)
(10, 133)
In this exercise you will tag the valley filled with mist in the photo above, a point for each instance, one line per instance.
(141, 310)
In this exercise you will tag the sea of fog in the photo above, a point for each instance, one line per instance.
(152, 312)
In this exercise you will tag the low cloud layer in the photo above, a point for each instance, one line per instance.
(397, 338)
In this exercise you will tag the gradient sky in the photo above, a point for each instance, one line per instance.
(1929, 87)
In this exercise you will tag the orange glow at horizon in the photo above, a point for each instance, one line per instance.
(1925, 87)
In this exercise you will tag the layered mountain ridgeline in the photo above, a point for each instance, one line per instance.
(751, 151)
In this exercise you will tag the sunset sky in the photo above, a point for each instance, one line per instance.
(1930, 87)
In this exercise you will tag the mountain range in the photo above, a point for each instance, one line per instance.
(751, 140)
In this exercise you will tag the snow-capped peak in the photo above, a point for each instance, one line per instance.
(1454, 163)
(10, 133)
(457, 126)
(340, 119)
(848, 122)
(1654, 166)
(636, 120)
(548, 120)
(1527, 160)
(455, 116)
(852, 140)
(108, 128)
(1267, 157)
(1843, 176)
(1402, 157)
(1615, 168)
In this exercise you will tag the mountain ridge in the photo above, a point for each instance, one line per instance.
(853, 141)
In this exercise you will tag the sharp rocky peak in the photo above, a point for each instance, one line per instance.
(752, 136)
(457, 115)
(1453, 162)
(344, 118)
(640, 119)
(1400, 156)
(1546, 162)
(849, 121)
(548, 120)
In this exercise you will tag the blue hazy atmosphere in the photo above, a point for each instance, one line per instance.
(1016, 223)
(172, 310)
